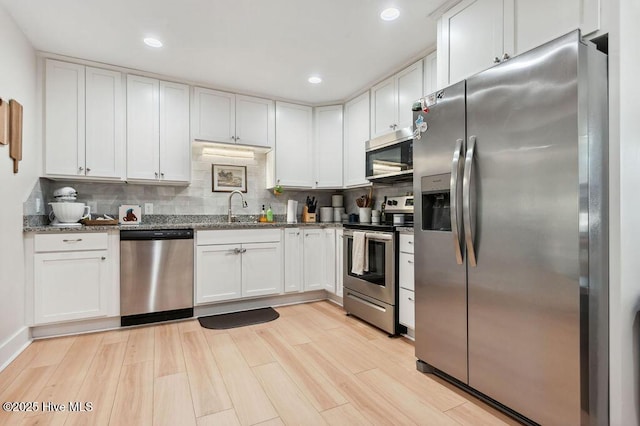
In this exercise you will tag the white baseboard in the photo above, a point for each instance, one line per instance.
(264, 302)
(13, 346)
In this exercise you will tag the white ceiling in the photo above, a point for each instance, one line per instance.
(263, 47)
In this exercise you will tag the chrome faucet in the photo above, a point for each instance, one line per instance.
(244, 204)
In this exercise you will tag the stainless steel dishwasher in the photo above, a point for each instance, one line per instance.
(156, 275)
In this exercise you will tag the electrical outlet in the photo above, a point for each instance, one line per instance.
(148, 208)
(38, 205)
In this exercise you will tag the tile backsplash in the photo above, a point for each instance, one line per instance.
(195, 199)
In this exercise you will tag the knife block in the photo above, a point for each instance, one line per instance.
(308, 217)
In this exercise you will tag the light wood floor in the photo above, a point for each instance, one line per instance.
(313, 365)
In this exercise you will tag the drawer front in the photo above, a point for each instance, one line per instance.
(406, 243)
(238, 236)
(406, 271)
(407, 312)
(74, 241)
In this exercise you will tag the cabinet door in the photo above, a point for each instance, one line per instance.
(383, 108)
(255, 121)
(328, 146)
(214, 117)
(407, 311)
(409, 89)
(64, 119)
(356, 133)
(339, 261)
(538, 22)
(218, 273)
(406, 272)
(261, 269)
(70, 286)
(104, 124)
(293, 248)
(329, 259)
(175, 145)
(313, 264)
(143, 128)
(430, 73)
(293, 158)
(471, 37)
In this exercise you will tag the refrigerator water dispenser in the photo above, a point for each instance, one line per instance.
(436, 212)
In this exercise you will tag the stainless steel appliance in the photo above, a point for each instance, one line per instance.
(511, 234)
(389, 158)
(373, 296)
(156, 275)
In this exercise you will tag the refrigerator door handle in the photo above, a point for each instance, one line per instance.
(469, 222)
(456, 169)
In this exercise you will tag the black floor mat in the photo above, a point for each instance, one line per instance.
(238, 319)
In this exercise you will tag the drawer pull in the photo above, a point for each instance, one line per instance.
(411, 299)
(410, 242)
(409, 261)
(72, 241)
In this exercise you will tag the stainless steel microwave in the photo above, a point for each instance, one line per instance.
(389, 158)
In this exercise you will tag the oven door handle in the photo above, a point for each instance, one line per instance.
(378, 237)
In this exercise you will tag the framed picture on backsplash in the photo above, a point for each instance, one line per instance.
(130, 214)
(228, 178)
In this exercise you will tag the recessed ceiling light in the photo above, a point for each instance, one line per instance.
(153, 42)
(315, 80)
(389, 14)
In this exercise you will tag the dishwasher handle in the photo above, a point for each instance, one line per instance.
(156, 234)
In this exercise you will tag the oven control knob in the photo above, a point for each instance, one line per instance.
(395, 203)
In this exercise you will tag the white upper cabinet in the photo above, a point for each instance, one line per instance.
(84, 121)
(292, 162)
(471, 38)
(328, 146)
(158, 144)
(430, 73)
(228, 118)
(391, 100)
(356, 134)
(476, 34)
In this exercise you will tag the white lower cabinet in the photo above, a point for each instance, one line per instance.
(293, 246)
(312, 260)
(237, 264)
(406, 279)
(329, 259)
(339, 261)
(71, 276)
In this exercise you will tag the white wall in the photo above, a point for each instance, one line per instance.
(17, 81)
(624, 64)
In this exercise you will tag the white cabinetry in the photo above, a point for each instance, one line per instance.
(329, 259)
(291, 163)
(430, 73)
(476, 34)
(356, 133)
(158, 144)
(293, 268)
(313, 264)
(339, 261)
(228, 118)
(391, 100)
(328, 146)
(84, 122)
(73, 277)
(236, 264)
(406, 281)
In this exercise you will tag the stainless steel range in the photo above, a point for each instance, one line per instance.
(372, 293)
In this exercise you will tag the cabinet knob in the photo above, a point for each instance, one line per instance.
(237, 138)
(409, 261)
(391, 126)
(297, 233)
(103, 258)
(162, 174)
(496, 60)
(88, 169)
(233, 138)
(156, 173)
(506, 57)
(80, 169)
(410, 242)
(411, 299)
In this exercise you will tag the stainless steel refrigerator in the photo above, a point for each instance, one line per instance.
(510, 183)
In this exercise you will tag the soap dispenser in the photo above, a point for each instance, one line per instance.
(269, 214)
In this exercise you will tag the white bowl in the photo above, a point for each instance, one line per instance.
(70, 212)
